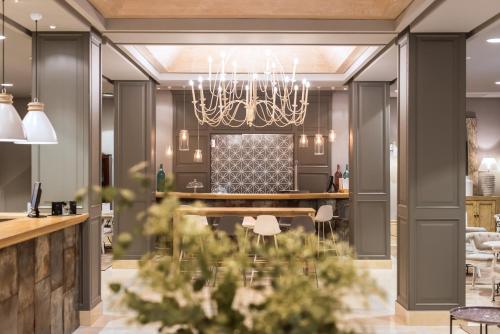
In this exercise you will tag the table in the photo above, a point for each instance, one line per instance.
(483, 315)
(231, 211)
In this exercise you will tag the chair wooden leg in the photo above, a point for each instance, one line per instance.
(474, 277)
(275, 242)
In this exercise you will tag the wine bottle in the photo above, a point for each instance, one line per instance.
(160, 179)
(338, 176)
(346, 172)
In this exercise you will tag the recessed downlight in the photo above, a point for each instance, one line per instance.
(52, 27)
(493, 40)
(497, 82)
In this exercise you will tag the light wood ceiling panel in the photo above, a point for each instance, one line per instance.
(250, 58)
(275, 9)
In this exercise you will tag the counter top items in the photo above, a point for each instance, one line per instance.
(36, 194)
(195, 184)
(24, 228)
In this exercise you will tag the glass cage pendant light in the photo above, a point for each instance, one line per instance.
(331, 136)
(319, 142)
(198, 155)
(184, 134)
(303, 141)
(11, 125)
(38, 128)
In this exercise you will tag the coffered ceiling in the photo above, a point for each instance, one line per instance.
(250, 58)
(275, 9)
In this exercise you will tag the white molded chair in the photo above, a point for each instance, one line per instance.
(324, 215)
(199, 223)
(266, 226)
(248, 224)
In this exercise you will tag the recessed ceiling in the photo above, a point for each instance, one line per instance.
(54, 13)
(250, 58)
(483, 63)
(275, 9)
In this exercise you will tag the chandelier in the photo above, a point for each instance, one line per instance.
(261, 99)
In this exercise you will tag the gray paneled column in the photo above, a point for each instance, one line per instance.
(135, 138)
(431, 231)
(69, 74)
(369, 165)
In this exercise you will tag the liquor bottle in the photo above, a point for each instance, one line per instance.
(346, 172)
(338, 176)
(160, 179)
(345, 178)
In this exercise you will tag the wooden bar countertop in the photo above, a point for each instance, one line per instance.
(17, 227)
(280, 196)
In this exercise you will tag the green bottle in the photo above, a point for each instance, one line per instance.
(346, 172)
(160, 179)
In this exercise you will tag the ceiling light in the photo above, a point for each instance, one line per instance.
(108, 94)
(268, 98)
(345, 88)
(52, 27)
(39, 129)
(468, 58)
(12, 129)
(396, 91)
(497, 82)
(493, 40)
(7, 84)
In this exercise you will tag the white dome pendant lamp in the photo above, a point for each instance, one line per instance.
(38, 128)
(11, 126)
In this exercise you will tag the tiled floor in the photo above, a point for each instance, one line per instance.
(378, 318)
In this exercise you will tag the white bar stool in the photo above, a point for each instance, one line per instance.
(323, 216)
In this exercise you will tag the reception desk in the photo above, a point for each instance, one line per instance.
(39, 265)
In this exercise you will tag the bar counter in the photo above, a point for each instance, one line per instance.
(40, 262)
(280, 196)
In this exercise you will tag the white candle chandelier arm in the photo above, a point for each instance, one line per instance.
(263, 99)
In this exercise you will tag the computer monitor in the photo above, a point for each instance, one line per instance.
(36, 193)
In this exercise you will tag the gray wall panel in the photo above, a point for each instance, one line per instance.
(431, 171)
(69, 74)
(369, 159)
(135, 138)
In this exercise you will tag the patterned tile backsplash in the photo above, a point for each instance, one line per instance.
(251, 163)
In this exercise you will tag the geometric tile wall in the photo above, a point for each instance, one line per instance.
(251, 163)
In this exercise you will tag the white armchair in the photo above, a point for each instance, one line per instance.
(478, 255)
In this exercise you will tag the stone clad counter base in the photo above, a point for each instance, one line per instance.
(39, 284)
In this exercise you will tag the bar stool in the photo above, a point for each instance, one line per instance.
(323, 216)
(306, 224)
(199, 223)
(265, 226)
(248, 224)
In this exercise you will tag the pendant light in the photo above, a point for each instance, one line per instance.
(198, 156)
(184, 134)
(11, 129)
(37, 125)
(319, 142)
(169, 151)
(331, 136)
(303, 141)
